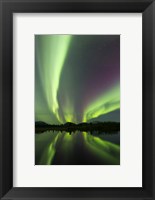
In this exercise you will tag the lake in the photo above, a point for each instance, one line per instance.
(78, 148)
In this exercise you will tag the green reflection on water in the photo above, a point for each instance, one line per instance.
(106, 151)
(63, 147)
(45, 145)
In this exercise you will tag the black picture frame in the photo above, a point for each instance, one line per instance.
(7, 8)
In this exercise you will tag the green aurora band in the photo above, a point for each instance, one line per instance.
(104, 104)
(51, 53)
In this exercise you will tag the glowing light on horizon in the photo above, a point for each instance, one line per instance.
(68, 111)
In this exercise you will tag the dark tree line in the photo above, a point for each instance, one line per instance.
(108, 127)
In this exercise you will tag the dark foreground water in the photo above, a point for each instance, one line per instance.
(79, 148)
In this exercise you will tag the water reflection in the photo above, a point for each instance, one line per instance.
(77, 148)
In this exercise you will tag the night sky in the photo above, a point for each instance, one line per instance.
(77, 78)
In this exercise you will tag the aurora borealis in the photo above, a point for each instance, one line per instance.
(77, 78)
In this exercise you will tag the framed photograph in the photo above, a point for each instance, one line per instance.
(77, 99)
